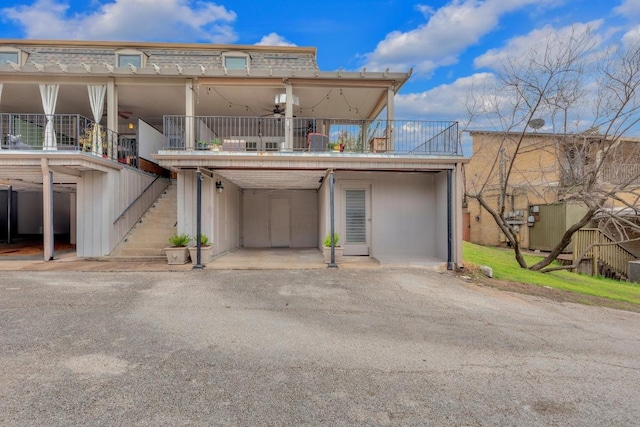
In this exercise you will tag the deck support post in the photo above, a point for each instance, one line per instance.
(47, 209)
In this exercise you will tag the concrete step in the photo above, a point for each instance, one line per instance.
(137, 252)
(150, 235)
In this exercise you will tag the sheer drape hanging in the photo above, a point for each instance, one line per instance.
(96, 99)
(49, 94)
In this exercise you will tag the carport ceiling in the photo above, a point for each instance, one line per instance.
(29, 178)
(274, 179)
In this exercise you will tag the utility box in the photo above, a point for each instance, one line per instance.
(551, 222)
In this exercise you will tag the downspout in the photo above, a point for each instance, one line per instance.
(449, 220)
(332, 264)
(198, 265)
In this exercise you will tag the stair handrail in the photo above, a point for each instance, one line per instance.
(136, 199)
(609, 252)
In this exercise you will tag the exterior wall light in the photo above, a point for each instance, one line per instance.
(219, 187)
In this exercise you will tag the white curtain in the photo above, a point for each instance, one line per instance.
(96, 98)
(49, 94)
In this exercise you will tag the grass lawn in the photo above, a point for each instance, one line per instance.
(505, 267)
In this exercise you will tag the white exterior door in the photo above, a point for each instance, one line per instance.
(280, 222)
(357, 220)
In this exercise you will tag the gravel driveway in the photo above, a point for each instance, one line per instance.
(307, 347)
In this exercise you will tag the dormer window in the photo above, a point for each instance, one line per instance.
(125, 58)
(236, 60)
(11, 54)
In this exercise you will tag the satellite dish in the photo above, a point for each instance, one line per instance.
(536, 123)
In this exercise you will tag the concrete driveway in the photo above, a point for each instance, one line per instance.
(306, 347)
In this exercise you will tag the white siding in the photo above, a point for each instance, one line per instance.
(220, 219)
(405, 212)
(102, 197)
(304, 217)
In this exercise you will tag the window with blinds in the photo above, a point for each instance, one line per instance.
(356, 217)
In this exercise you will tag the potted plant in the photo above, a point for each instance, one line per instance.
(206, 250)
(178, 253)
(202, 145)
(326, 248)
(216, 144)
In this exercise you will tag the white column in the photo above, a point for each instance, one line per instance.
(288, 117)
(189, 112)
(47, 209)
(390, 117)
(112, 105)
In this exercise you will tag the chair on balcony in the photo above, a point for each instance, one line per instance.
(317, 142)
(234, 145)
(379, 144)
(14, 142)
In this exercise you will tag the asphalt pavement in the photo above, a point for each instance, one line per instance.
(306, 347)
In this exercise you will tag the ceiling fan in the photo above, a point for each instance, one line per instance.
(276, 112)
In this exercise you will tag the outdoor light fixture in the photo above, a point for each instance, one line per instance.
(281, 99)
(131, 126)
(219, 187)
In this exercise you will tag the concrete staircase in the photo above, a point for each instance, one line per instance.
(150, 235)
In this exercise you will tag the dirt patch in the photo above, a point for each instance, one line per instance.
(27, 249)
(547, 292)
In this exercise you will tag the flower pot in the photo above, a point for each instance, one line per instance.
(206, 254)
(177, 255)
(326, 252)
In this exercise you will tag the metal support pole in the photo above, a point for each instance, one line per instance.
(9, 212)
(49, 213)
(198, 265)
(332, 264)
(449, 220)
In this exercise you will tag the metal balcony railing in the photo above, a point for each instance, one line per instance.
(259, 134)
(72, 132)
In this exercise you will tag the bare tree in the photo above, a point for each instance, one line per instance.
(592, 162)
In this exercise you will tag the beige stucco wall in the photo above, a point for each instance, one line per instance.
(534, 179)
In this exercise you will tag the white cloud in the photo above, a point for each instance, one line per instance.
(536, 41)
(628, 8)
(447, 33)
(162, 20)
(632, 36)
(274, 39)
(444, 102)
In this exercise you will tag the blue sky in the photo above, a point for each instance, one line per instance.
(446, 43)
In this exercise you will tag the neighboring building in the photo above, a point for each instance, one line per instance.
(547, 171)
(88, 126)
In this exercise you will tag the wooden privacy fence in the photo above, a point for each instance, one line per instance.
(602, 251)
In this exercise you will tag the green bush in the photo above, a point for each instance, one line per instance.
(204, 240)
(179, 240)
(327, 240)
